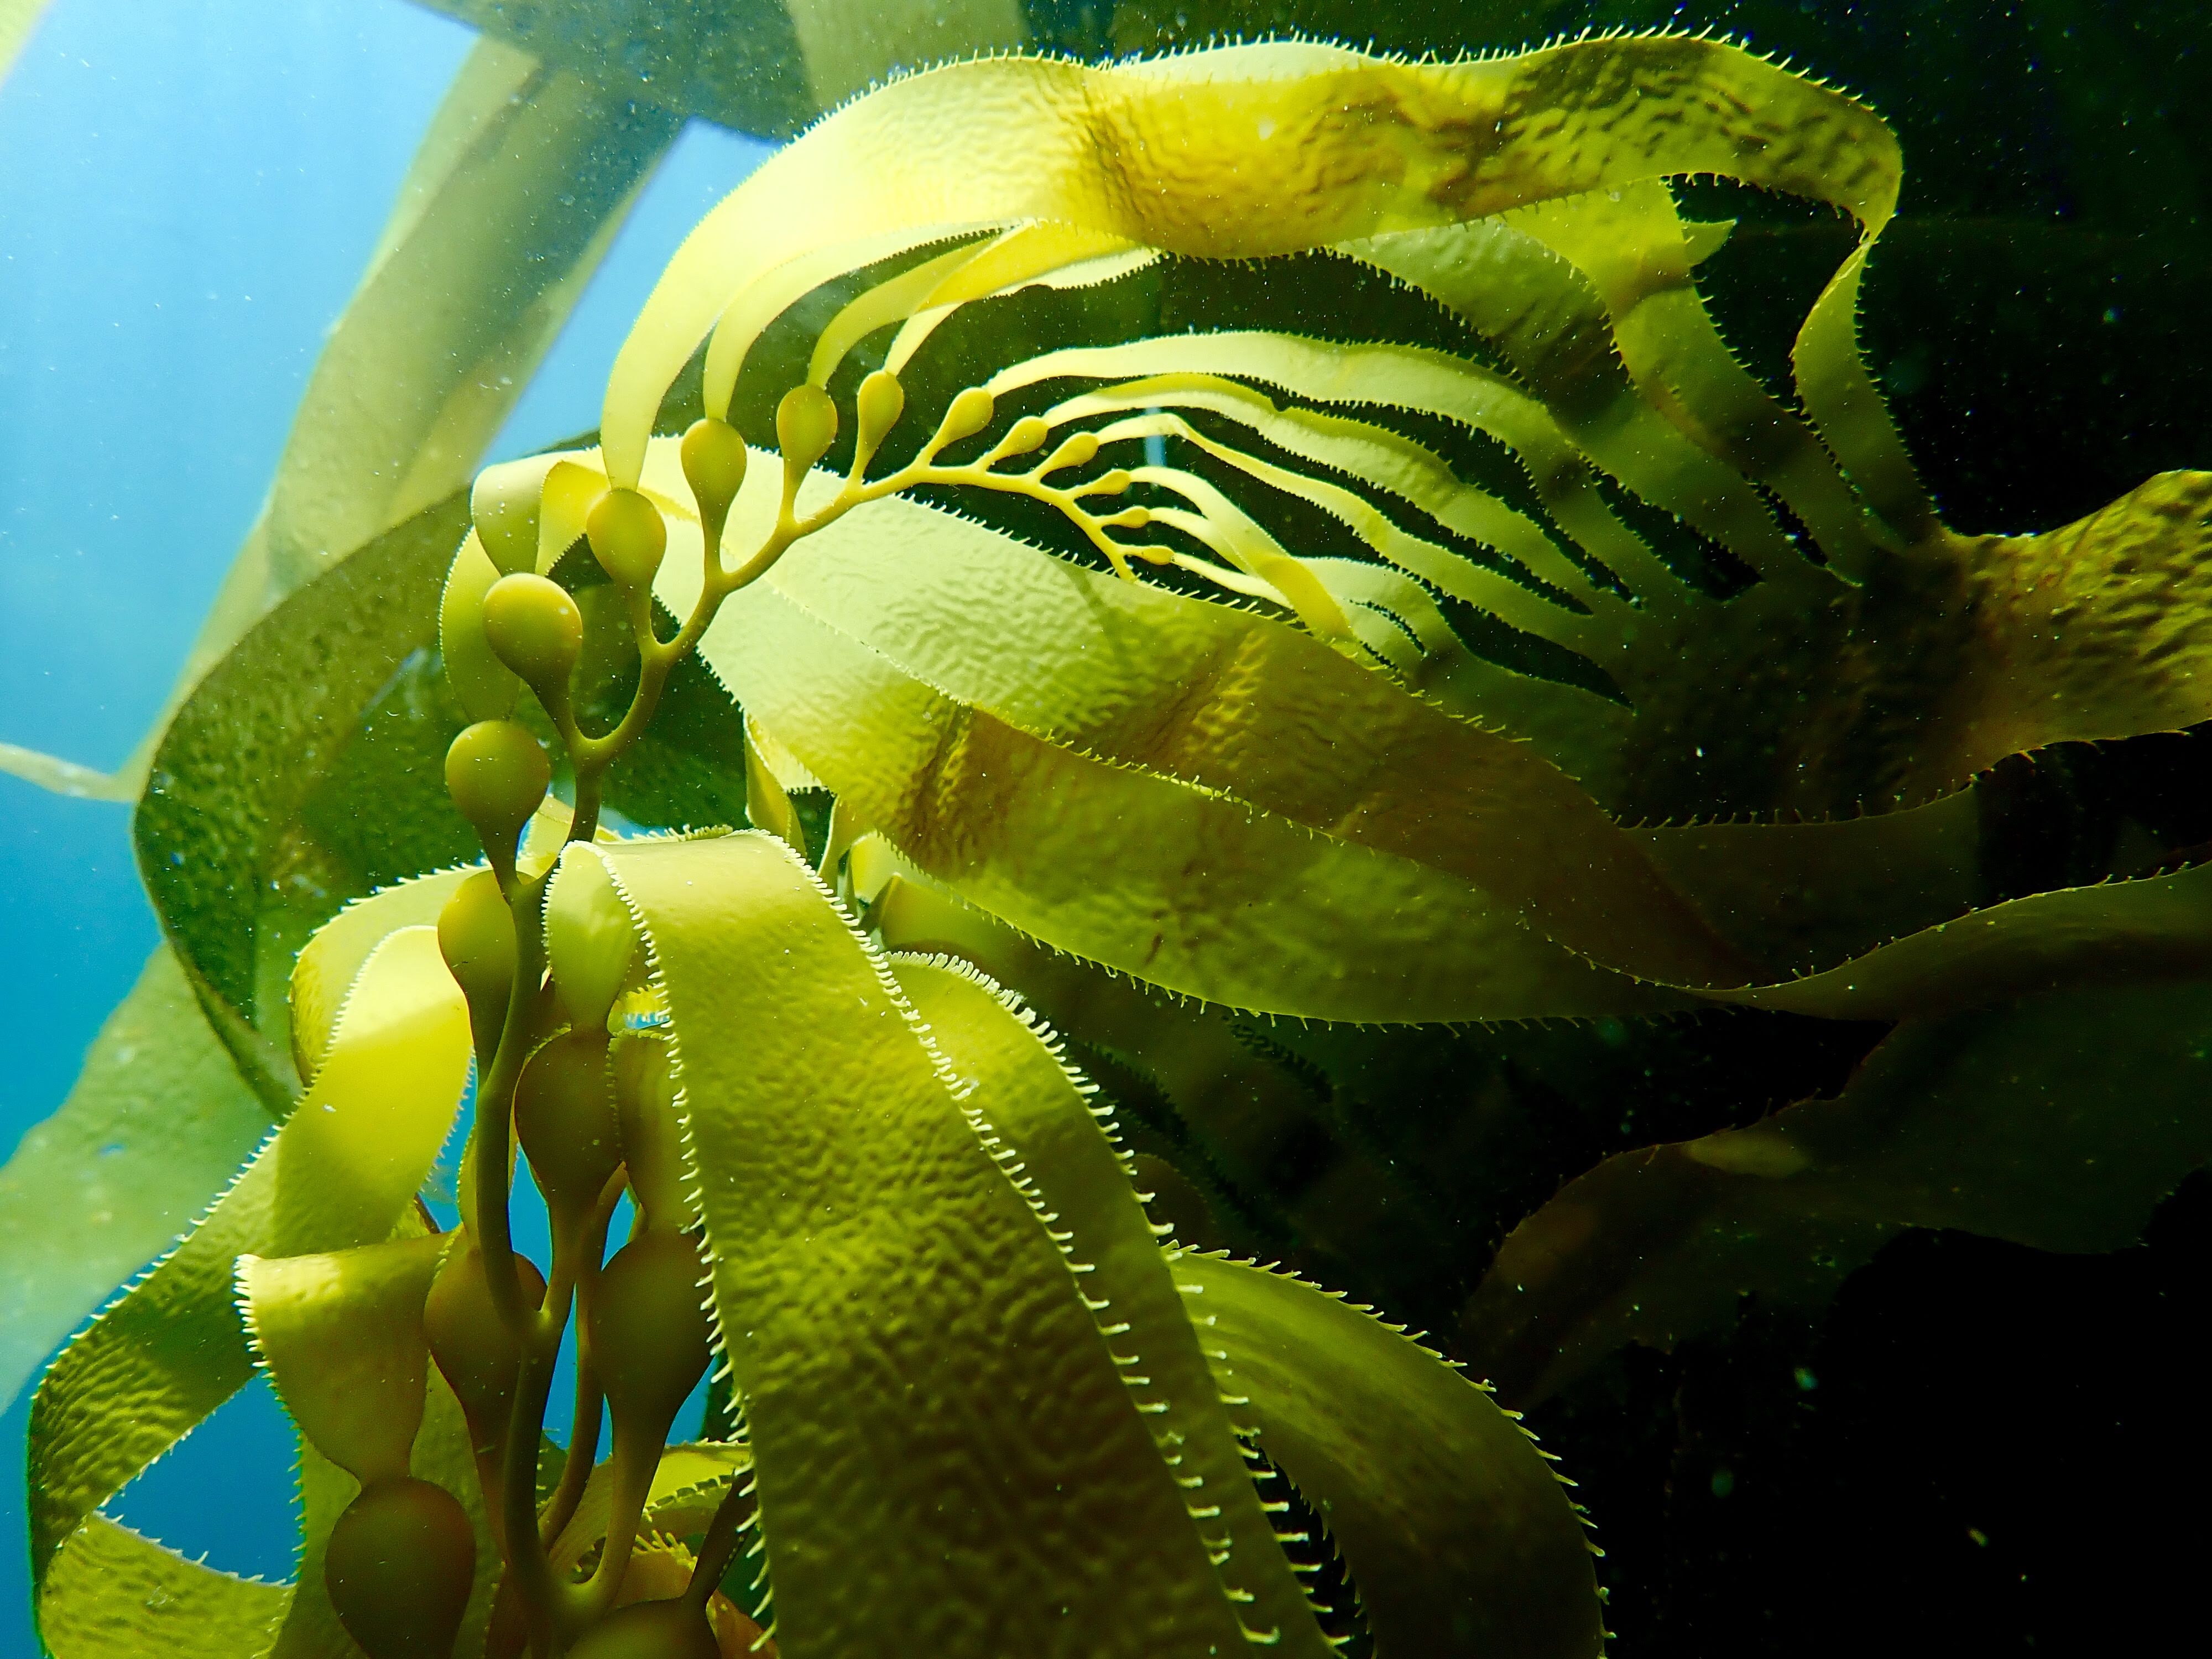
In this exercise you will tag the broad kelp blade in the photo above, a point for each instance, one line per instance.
(1120, 677)
(277, 722)
(1118, 149)
(923, 1387)
(1460, 1540)
(2058, 1121)
(1213, 1088)
(113, 1595)
(1026, 1098)
(1240, 703)
(1197, 892)
(341, 1172)
(510, 202)
(1803, 896)
(2091, 631)
(156, 1122)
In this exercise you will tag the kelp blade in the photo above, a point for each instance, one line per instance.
(113, 1595)
(1198, 154)
(1040, 1112)
(1461, 1540)
(342, 1171)
(340, 1334)
(982, 1455)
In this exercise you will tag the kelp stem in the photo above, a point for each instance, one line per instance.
(584, 1435)
(494, 1152)
(526, 1562)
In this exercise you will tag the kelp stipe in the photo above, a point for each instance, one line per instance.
(977, 1403)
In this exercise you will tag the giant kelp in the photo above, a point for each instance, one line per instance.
(983, 1409)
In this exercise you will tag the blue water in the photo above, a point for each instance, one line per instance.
(187, 196)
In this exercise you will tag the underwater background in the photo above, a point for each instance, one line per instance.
(1981, 1447)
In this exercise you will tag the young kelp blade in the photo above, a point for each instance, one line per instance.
(1197, 155)
(155, 1123)
(924, 1388)
(2059, 1122)
(341, 1172)
(1040, 1114)
(1460, 1538)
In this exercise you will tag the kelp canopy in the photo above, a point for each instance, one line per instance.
(1103, 688)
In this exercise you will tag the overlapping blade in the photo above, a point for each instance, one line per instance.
(1041, 1112)
(1460, 1540)
(342, 1172)
(925, 1389)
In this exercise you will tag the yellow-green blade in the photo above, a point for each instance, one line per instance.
(278, 719)
(1194, 889)
(324, 972)
(1460, 1540)
(1196, 155)
(341, 1172)
(925, 1389)
(1142, 677)
(2158, 928)
(113, 1595)
(1042, 1113)
(340, 1334)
